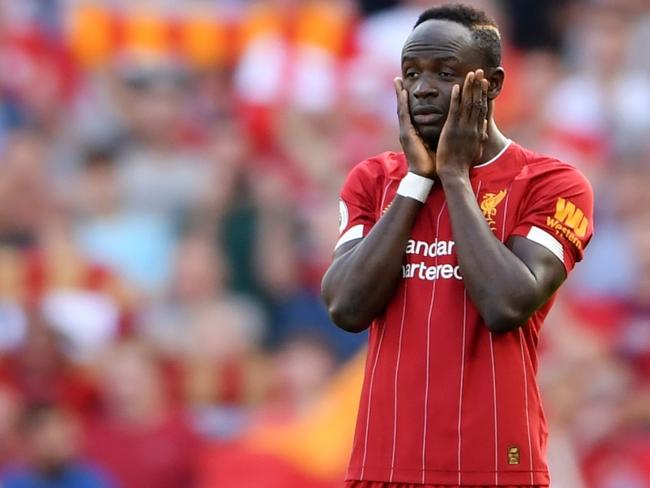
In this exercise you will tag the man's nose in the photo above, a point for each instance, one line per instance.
(424, 89)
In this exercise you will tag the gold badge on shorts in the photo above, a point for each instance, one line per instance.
(513, 455)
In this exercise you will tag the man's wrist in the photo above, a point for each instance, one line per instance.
(454, 174)
(415, 186)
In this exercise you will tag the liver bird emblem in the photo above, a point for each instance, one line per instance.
(489, 206)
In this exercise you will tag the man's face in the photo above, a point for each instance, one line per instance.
(436, 56)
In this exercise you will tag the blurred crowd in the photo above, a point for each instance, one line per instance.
(169, 172)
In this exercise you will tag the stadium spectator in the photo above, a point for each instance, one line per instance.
(10, 410)
(40, 371)
(52, 441)
(139, 438)
(136, 244)
(159, 170)
(25, 196)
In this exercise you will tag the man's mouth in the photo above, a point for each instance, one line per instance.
(427, 114)
(427, 118)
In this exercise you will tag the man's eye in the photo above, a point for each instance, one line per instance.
(446, 74)
(411, 74)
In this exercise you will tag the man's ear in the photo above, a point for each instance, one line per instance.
(495, 77)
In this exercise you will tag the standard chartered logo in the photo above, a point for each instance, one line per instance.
(430, 249)
(439, 271)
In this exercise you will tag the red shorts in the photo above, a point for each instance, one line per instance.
(384, 484)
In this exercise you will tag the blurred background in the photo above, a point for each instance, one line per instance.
(169, 172)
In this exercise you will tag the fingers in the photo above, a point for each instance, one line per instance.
(480, 99)
(476, 94)
(482, 120)
(399, 86)
(455, 103)
(402, 104)
(477, 109)
(474, 104)
(467, 97)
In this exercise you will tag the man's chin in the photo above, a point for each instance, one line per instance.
(430, 136)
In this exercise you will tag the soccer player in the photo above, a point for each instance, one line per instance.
(451, 253)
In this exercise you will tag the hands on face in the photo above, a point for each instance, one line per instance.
(419, 159)
(462, 137)
(465, 131)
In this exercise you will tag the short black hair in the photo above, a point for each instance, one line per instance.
(485, 31)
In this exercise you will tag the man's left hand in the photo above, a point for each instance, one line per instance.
(465, 131)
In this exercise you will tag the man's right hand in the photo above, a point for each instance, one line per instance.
(419, 159)
(362, 279)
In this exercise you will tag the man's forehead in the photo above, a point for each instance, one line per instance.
(439, 34)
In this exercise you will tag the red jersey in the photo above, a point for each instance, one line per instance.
(444, 400)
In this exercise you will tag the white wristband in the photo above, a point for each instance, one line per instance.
(415, 186)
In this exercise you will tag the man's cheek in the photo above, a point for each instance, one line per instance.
(412, 102)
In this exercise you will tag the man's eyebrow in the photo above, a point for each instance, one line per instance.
(441, 57)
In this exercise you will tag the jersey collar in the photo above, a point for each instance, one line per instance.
(495, 158)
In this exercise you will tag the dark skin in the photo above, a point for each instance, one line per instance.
(445, 108)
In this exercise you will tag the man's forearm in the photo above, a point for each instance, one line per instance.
(498, 282)
(360, 283)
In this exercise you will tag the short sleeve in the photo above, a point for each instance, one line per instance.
(358, 203)
(559, 215)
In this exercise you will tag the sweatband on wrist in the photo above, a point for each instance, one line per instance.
(415, 186)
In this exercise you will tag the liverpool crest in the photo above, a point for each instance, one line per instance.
(489, 206)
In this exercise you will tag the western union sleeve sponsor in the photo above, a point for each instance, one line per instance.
(574, 218)
(569, 221)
